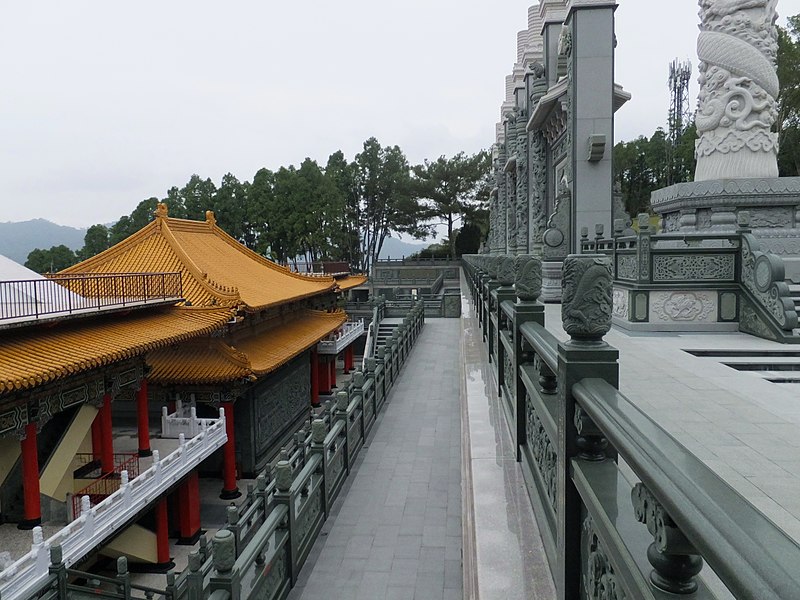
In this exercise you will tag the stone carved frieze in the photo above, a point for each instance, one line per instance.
(586, 302)
(599, 578)
(543, 452)
(693, 267)
(508, 375)
(538, 186)
(522, 185)
(772, 217)
(683, 306)
(627, 267)
(737, 47)
(279, 404)
(620, 299)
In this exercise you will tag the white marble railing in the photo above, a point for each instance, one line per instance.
(183, 421)
(341, 338)
(97, 524)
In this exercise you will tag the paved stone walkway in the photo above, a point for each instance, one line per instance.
(395, 531)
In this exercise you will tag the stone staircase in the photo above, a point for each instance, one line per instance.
(385, 330)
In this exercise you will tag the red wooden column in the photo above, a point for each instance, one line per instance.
(30, 479)
(333, 371)
(97, 437)
(189, 509)
(229, 489)
(324, 377)
(142, 418)
(107, 452)
(162, 534)
(314, 377)
(348, 359)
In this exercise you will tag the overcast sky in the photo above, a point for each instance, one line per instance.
(104, 104)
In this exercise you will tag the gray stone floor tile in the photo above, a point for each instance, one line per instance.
(395, 531)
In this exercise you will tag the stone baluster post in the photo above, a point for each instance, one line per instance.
(527, 308)
(505, 292)
(586, 316)
(643, 248)
(224, 556)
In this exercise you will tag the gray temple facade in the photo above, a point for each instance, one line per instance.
(552, 155)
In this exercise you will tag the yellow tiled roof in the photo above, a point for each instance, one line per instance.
(31, 357)
(199, 362)
(278, 346)
(351, 281)
(254, 355)
(215, 268)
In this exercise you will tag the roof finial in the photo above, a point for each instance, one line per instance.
(162, 210)
(210, 218)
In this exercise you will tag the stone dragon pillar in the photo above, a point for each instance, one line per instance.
(737, 48)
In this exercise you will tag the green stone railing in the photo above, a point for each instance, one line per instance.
(267, 538)
(578, 439)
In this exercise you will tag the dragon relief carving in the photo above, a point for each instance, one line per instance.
(620, 299)
(737, 107)
(683, 306)
(542, 451)
(693, 267)
(586, 303)
(538, 185)
(599, 578)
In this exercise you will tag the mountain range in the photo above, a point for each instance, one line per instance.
(17, 239)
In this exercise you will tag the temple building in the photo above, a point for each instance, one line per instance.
(178, 328)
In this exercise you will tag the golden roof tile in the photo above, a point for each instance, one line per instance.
(30, 357)
(216, 269)
(351, 281)
(215, 361)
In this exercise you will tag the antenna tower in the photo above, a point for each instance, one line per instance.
(679, 114)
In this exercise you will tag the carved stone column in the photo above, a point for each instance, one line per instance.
(737, 47)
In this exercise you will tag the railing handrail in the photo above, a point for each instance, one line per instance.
(544, 343)
(746, 550)
(99, 522)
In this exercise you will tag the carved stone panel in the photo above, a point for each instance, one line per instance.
(620, 303)
(683, 307)
(694, 267)
(599, 578)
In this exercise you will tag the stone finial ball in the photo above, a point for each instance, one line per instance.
(586, 298)
(528, 282)
(505, 270)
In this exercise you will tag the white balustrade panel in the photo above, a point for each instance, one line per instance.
(342, 338)
(97, 524)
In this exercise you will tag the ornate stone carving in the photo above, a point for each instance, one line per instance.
(586, 302)
(599, 578)
(737, 46)
(280, 403)
(763, 276)
(538, 186)
(773, 217)
(694, 267)
(683, 306)
(627, 267)
(508, 375)
(528, 282)
(620, 299)
(308, 519)
(505, 270)
(673, 557)
(556, 236)
(542, 452)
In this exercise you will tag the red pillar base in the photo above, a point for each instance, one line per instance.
(143, 420)
(333, 372)
(229, 488)
(189, 510)
(30, 479)
(163, 561)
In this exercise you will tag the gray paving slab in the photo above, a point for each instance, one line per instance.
(395, 531)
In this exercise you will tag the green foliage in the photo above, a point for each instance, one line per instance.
(52, 260)
(468, 239)
(385, 202)
(94, 242)
(450, 188)
(788, 123)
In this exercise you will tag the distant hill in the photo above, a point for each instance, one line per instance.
(18, 239)
(394, 248)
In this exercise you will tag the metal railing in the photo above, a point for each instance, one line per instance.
(573, 430)
(70, 294)
(108, 483)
